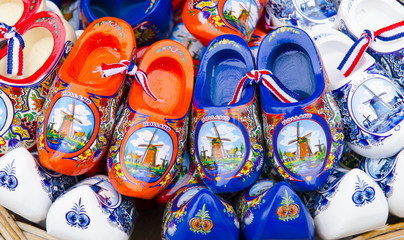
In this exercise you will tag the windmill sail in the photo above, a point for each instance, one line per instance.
(218, 151)
(150, 155)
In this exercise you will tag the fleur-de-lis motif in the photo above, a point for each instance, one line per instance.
(201, 223)
(77, 217)
(8, 177)
(363, 193)
(288, 210)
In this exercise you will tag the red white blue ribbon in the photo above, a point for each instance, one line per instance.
(15, 45)
(357, 50)
(272, 83)
(129, 68)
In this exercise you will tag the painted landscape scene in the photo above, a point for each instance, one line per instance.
(302, 147)
(70, 125)
(148, 153)
(221, 147)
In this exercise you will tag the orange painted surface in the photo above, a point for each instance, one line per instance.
(107, 40)
(169, 68)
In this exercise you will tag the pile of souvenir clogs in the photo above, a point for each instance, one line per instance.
(246, 119)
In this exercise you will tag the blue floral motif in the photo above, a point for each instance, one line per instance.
(77, 217)
(8, 177)
(363, 194)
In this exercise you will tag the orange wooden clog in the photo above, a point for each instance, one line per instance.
(79, 113)
(207, 19)
(151, 134)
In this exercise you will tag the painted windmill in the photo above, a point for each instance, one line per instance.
(321, 146)
(244, 14)
(66, 128)
(164, 161)
(303, 144)
(366, 122)
(379, 107)
(98, 190)
(149, 157)
(218, 151)
(203, 152)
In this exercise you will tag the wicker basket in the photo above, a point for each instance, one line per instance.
(393, 231)
(13, 228)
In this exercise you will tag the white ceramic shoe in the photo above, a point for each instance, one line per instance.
(371, 104)
(28, 189)
(92, 209)
(357, 15)
(350, 203)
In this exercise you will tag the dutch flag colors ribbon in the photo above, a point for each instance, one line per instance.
(129, 68)
(357, 50)
(15, 45)
(272, 83)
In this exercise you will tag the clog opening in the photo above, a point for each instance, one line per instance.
(374, 15)
(167, 82)
(222, 77)
(128, 10)
(11, 11)
(291, 64)
(39, 44)
(333, 51)
(99, 48)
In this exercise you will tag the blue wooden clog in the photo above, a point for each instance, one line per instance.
(268, 209)
(304, 138)
(226, 137)
(152, 20)
(196, 213)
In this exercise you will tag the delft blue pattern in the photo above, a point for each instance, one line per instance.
(385, 175)
(286, 12)
(122, 215)
(352, 132)
(77, 217)
(363, 194)
(8, 177)
(319, 201)
(55, 183)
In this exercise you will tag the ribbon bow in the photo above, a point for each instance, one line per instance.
(355, 53)
(129, 68)
(272, 83)
(15, 45)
